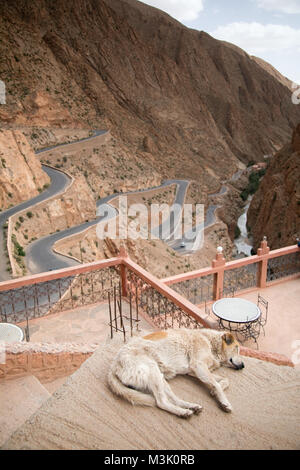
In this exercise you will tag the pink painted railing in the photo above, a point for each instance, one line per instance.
(164, 302)
(51, 292)
(252, 272)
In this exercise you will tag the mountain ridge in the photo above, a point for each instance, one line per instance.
(143, 74)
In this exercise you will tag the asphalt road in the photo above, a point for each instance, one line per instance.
(95, 134)
(59, 182)
(39, 255)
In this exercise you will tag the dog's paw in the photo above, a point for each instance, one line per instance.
(197, 409)
(226, 406)
(186, 414)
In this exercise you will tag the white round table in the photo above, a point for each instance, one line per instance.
(238, 315)
(236, 310)
(10, 333)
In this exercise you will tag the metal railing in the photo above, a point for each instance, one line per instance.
(167, 303)
(24, 299)
(161, 309)
(253, 272)
(282, 266)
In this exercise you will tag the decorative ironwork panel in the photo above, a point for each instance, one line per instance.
(37, 300)
(163, 312)
(241, 278)
(283, 266)
(197, 290)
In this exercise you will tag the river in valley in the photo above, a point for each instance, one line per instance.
(243, 242)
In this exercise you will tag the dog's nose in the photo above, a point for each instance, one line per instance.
(237, 366)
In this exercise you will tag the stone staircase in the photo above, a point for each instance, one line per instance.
(84, 414)
(19, 399)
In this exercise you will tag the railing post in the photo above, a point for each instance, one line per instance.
(263, 265)
(123, 254)
(218, 262)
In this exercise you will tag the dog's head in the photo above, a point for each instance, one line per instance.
(231, 352)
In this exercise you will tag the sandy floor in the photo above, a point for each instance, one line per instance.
(83, 325)
(90, 323)
(84, 414)
(282, 330)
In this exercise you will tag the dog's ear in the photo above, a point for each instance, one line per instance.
(228, 338)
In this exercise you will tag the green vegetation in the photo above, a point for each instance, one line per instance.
(18, 249)
(19, 253)
(5, 227)
(253, 183)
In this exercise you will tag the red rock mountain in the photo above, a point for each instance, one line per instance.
(275, 207)
(191, 105)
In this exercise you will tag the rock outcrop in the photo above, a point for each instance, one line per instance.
(21, 174)
(275, 207)
(202, 104)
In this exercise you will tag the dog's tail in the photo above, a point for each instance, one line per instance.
(135, 397)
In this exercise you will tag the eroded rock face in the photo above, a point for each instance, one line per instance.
(38, 108)
(296, 139)
(21, 174)
(275, 208)
(192, 102)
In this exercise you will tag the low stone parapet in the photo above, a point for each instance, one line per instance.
(278, 359)
(45, 361)
(49, 361)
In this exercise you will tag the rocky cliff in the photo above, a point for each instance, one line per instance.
(21, 174)
(177, 102)
(195, 105)
(275, 208)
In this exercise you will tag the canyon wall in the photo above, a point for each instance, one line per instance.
(275, 207)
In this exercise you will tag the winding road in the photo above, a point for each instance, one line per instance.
(40, 256)
(59, 182)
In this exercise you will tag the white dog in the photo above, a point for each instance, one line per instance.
(142, 367)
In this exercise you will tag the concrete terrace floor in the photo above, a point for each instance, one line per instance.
(282, 330)
(84, 414)
(82, 325)
(91, 323)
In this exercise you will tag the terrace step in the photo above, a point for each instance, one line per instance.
(19, 399)
(84, 414)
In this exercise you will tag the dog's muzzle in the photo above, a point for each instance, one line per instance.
(238, 366)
